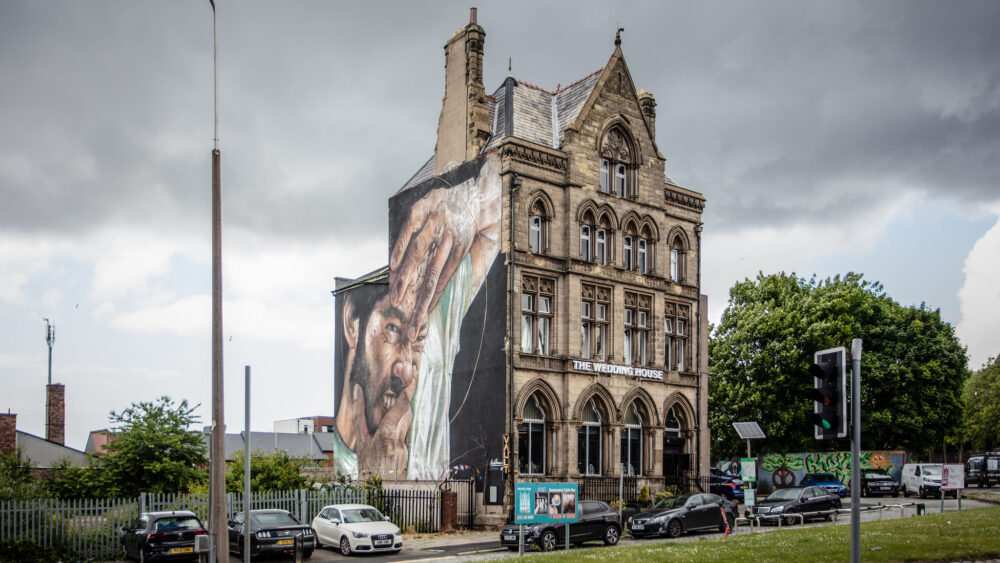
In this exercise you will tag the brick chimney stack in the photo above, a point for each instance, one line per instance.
(464, 125)
(55, 413)
(8, 432)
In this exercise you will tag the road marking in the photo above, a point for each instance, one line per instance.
(482, 551)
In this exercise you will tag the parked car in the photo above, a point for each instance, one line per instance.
(596, 520)
(724, 485)
(356, 528)
(271, 531)
(878, 482)
(923, 479)
(983, 470)
(673, 516)
(794, 500)
(827, 481)
(161, 536)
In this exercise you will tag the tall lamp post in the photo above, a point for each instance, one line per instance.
(217, 448)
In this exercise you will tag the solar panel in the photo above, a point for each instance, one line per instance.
(748, 430)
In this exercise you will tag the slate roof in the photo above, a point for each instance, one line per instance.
(310, 446)
(532, 113)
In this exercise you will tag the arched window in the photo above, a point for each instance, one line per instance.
(675, 461)
(675, 333)
(629, 252)
(531, 438)
(618, 163)
(677, 259)
(538, 235)
(588, 443)
(631, 442)
(601, 247)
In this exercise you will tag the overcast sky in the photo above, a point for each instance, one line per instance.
(827, 138)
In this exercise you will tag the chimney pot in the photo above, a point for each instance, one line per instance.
(472, 16)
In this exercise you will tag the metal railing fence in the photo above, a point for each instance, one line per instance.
(89, 528)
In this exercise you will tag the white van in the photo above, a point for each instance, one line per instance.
(922, 479)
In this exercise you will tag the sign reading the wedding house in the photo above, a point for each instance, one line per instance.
(614, 369)
(545, 503)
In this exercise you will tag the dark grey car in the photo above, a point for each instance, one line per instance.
(161, 536)
(596, 521)
(673, 516)
(794, 500)
(271, 531)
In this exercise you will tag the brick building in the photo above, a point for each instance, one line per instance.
(583, 349)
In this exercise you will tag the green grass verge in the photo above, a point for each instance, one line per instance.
(969, 534)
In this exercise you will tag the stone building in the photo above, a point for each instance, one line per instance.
(595, 354)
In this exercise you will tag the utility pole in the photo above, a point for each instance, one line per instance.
(217, 447)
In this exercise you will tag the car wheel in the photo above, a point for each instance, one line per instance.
(921, 492)
(512, 548)
(895, 494)
(345, 546)
(674, 528)
(611, 535)
(548, 541)
(307, 554)
(906, 492)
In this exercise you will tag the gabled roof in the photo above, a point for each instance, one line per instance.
(525, 111)
(296, 445)
(45, 454)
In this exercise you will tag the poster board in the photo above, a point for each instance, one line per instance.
(545, 503)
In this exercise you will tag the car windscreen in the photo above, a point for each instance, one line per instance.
(356, 515)
(823, 477)
(875, 475)
(177, 523)
(784, 494)
(672, 502)
(274, 519)
(932, 470)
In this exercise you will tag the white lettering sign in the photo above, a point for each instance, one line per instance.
(614, 369)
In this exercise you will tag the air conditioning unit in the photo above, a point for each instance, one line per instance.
(202, 543)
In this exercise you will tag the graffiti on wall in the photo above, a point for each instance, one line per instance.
(412, 370)
(786, 470)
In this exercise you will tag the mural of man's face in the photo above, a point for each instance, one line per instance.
(385, 362)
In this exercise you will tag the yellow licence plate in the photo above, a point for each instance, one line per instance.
(286, 542)
(182, 550)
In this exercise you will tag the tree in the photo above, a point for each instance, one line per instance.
(913, 366)
(981, 397)
(16, 480)
(153, 452)
(275, 471)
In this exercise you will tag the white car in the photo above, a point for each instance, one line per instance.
(356, 527)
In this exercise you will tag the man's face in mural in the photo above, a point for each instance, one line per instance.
(385, 363)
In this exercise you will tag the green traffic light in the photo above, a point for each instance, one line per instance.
(825, 423)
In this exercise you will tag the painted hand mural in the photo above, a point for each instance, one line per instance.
(400, 342)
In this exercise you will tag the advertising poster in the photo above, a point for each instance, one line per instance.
(545, 503)
(952, 476)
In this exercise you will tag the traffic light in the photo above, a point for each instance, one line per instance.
(829, 393)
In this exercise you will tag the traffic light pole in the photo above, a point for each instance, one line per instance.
(856, 450)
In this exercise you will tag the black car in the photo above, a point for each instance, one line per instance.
(161, 536)
(878, 482)
(673, 516)
(796, 500)
(596, 520)
(271, 531)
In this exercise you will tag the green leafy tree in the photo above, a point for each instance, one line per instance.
(154, 451)
(16, 479)
(913, 366)
(981, 397)
(276, 471)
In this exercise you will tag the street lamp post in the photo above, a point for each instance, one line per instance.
(217, 449)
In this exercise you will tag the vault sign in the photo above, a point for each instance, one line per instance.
(615, 369)
(545, 503)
